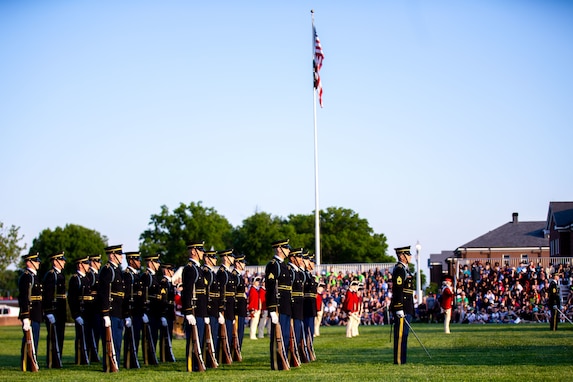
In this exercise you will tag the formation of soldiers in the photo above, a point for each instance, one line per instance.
(136, 306)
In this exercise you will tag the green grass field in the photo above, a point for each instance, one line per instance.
(524, 352)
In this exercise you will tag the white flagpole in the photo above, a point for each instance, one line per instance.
(316, 205)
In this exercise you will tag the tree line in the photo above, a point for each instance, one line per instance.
(345, 238)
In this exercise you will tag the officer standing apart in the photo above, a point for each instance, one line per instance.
(78, 293)
(254, 306)
(30, 303)
(447, 301)
(111, 293)
(554, 302)
(402, 303)
(279, 286)
(54, 304)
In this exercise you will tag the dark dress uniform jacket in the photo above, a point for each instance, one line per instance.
(111, 291)
(30, 297)
(402, 289)
(78, 294)
(241, 299)
(298, 280)
(214, 301)
(133, 303)
(310, 290)
(54, 298)
(190, 278)
(278, 281)
(228, 291)
(152, 295)
(92, 306)
(168, 298)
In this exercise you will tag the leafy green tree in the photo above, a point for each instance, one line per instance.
(344, 237)
(76, 241)
(9, 283)
(9, 247)
(254, 237)
(171, 232)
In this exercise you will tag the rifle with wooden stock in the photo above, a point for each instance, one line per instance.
(280, 350)
(224, 350)
(80, 342)
(30, 353)
(149, 355)
(209, 350)
(237, 356)
(166, 348)
(29, 348)
(195, 351)
(111, 358)
(310, 345)
(293, 348)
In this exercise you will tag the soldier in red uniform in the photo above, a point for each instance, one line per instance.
(447, 301)
(254, 306)
(351, 305)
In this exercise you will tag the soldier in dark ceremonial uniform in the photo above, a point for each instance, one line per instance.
(194, 298)
(278, 281)
(241, 297)
(168, 296)
(402, 303)
(298, 280)
(310, 291)
(111, 294)
(92, 319)
(554, 302)
(54, 303)
(133, 306)
(215, 306)
(153, 307)
(228, 284)
(79, 294)
(30, 303)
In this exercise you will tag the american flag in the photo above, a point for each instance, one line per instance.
(317, 65)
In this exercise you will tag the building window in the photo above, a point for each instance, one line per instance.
(505, 259)
(524, 258)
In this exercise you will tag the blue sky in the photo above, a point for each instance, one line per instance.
(440, 118)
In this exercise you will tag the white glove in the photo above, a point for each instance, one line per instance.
(128, 322)
(80, 321)
(51, 318)
(106, 321)
(26, 324)
(207, 320)
(191, 319)
(555, 307)
(145, 319)
(221, 319)
(400, 314)
(274, 318)
(163, 321)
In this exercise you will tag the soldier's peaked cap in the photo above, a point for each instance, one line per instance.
(211, 253)
(84, 259)
(33, 256)
(95, 258)
(226, 252)
(281, 243)
(133, 255)
(240, 257)
(114, 249)
(296, 252)
(152, 257)
(196, 244)
(57, 256)
(403, 251)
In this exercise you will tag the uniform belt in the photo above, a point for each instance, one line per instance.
(118, 294)
(408, 291)
(200, 291)
(214, 295)
(86, 298)
(155, 296)
(35, 298)
(94, 292)
(60, 296)
(297, 294)
(241, 295)
(310, 295)
(285, 287)
(229, 294)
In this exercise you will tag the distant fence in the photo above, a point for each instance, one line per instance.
(515, 262)
(355, 268)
